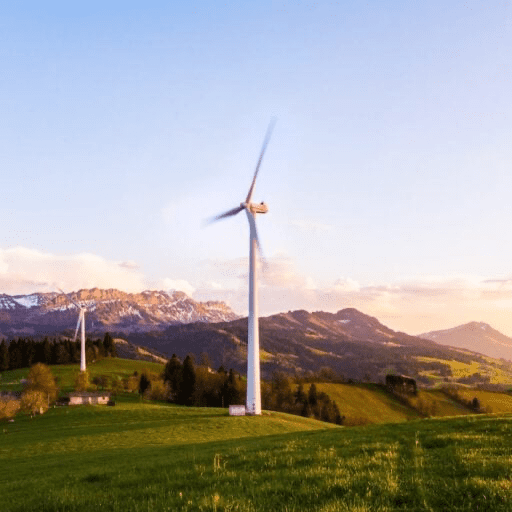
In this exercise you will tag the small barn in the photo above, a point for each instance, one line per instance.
(401, 385)
(83, 398)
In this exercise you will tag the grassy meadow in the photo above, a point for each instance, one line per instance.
(493, 402)
(151, 456)
(492, 370)
(66, 373)
(362, 404)
(158, 457)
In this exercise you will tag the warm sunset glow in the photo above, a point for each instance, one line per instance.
(388, 177)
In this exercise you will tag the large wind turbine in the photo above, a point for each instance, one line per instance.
(253, 402)
(80, 323)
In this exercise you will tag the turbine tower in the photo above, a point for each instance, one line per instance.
(253, 402)
(80, 323)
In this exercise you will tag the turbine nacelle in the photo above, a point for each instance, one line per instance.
(255, 207)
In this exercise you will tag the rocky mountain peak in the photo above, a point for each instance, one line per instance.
(107, 309)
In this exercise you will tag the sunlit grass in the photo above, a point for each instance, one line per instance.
(157, 457)
(366, 403)
(493, 402)
(436, 403)
(459, 369)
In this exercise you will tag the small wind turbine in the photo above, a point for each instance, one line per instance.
(80, 323)
(253, 403)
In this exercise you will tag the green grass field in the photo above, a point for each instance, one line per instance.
(366, 403)
(160, 457)
(492, 369)
(494, 402)
(65, 374)
(438, 404)
(363, 404)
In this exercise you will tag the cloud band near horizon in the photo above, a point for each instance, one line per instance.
(413, 305)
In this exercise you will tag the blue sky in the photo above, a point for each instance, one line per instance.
(125, 125)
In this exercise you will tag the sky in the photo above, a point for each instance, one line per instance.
(125, 125)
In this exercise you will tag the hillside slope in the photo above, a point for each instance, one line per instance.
(353, 344)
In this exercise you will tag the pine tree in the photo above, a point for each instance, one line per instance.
(300, 396)
(233, 392)
(312, 396)
(144, 384)
(4, 356)
(173, 374)
(47, 351)
(15, 356)
(108, 345)
(185, 396)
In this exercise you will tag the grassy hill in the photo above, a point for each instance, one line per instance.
(436, 403)
(160, 457)
(363, 404)
(366, 403)
(493, 370)
(493, 402)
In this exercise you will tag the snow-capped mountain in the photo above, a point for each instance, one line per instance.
(475, 336)
(105, 309)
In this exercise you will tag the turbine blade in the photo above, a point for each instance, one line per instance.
(68, 298)
(265, 142)
(77, 327)
(229, 213)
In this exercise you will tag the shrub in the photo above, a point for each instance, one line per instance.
(131, 383)
(40, 378)
(101, 381)
(34, 401)
(9, 408)
(157, 391)
(82, 381)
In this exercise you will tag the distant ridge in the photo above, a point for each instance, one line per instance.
(476, 336)
(349, 342)
(49, 313)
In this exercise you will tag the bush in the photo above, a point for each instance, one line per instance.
(40, 378)
(131, 383)
(158, 390)
(101, 381)
(82, 381)
(34, 401)
(9, 408)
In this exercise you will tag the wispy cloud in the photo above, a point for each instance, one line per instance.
(25, 270)
(414, 305)
(178, 285)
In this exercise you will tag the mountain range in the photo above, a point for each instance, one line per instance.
(348, 342)
(51, 313)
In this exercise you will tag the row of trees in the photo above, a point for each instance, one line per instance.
(40, 391)
(279, 395)
(25, 352)
(201, 386)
